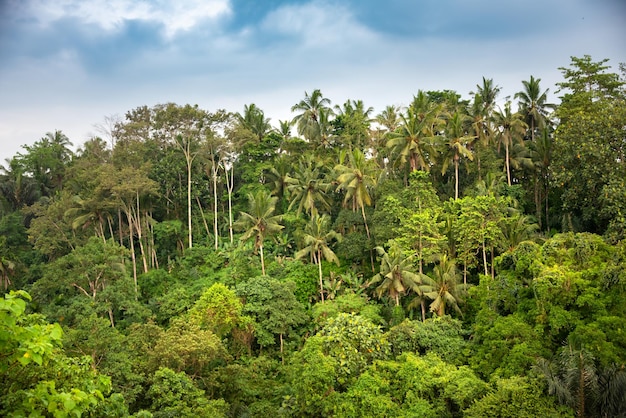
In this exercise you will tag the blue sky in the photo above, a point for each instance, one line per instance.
(67, 64)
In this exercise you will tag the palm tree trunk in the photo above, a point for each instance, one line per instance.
(493, 276)
(319, 266)
(367, 230)
(465, 272)
(546, 187)
(456, 177)
(537, 199)
(485, 259)
(508, 168)
(262, 259)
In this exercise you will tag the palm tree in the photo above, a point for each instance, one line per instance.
(573, 378)
(254, 120)
(279, 176)
(357, 179)
(533, 105)
(353, 123)
(487, 93)
(325, 129)
(457, 146)
(511, 127)
(396, 275)
(60, 148)
(93, 211)
(317, 238)
(308, 121)
(481, 128)
(284, 131)
(413, 140)
(517, 229)
(309, 187)
(260, 221)
(444, 287)
(389, 118)
(541, 153)
(7, 267)
(17, 189)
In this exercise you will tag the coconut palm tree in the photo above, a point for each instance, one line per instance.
(487, 93)
(389, 118)
(254, 120)
(511, 128)
(352, 124)
(396, 275)
(7, 265)
(541, 154)
(577, 380)
(444, 287)
(259, 222)
(280, 177)
(309, 188)
(414, 140)
(533, 105)
(357, 178)
(93, 211)
(482, 129)
(308, 120)
(17, 189)
(456, 146)
(317, 238)
(517, 229)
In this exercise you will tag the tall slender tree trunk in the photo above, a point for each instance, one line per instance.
(101, 230)
(110, 226)
(367, 230)
(456, 177)
(319, 267)
(132, 250)
(214, 171)
(262, 260)
(546, 188)
(119, 226)
(493, 273)
(139, 230)
(204, 222)
(485, 259)
(537, 199)
(230, 183)
(189, 201)
(508, 167)
(110, 312)
(465, 272)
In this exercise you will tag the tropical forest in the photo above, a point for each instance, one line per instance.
(462, 255)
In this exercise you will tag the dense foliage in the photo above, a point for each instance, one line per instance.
(453, 258)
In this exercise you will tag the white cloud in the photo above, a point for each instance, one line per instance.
(317, 24)
(175, 16)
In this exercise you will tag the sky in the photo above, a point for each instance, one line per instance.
(70, 65)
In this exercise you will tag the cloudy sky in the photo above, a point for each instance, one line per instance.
(68, 64)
